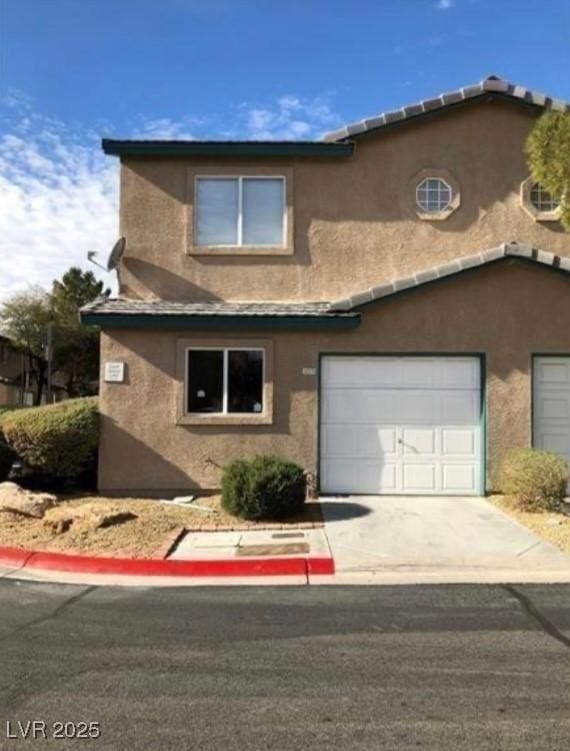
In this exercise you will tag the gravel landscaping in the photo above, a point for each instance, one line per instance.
(552, 526)
(143, 535)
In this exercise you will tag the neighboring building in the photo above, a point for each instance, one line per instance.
(389, 307)
(10, 373)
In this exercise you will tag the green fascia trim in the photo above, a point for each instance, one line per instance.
(222, 323)
(461, 272)
(486, 96)
(221, 148)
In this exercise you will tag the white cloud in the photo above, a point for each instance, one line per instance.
(59, 200)
(444, 4)
(291, 118)
(60, 192)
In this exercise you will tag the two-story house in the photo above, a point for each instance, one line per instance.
(389, 307)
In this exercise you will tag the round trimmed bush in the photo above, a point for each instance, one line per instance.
(267, 487)
(58, 440)
(534, 480)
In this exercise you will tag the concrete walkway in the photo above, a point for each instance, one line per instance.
(437, 539)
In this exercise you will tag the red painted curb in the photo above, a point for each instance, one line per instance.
(14, 556)
(159, 567)
(320, 566)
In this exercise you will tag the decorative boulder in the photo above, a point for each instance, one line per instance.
(16, 500)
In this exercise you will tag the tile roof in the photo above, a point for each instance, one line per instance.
(492, 85)
(125, 307)
(345, 308)
(506, 250)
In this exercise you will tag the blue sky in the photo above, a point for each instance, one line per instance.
(72, 71)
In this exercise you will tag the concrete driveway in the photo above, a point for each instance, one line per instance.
(436, 539)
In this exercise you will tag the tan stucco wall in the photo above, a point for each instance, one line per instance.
(507, 311)
(355, 224)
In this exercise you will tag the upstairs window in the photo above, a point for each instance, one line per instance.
(542, 200)
(225, 381)
(538, 202)
(433, 195)
(240, 211)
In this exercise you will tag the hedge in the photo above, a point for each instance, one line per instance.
(59, 440)
(266, 487)
(534, 480)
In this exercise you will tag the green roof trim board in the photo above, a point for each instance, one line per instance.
(222, 323)
(227, 148)
(215, 316)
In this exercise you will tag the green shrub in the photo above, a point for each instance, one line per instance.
(267, 487)
(58, 440)
(534, 480)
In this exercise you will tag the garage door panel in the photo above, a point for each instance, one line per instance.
(368, 476)
(371, 406)
(354, 441)
(551, 396)
(400, 424)
(458, 442)
(554, 408)
(559, 443)
(460, 407)
(419, 478)
(459, 478)
(419, 442)
(459, 373)
(419, 372)
(349, 372)
(555, 373)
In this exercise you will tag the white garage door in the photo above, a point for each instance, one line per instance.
(401, 425)
(551, 383)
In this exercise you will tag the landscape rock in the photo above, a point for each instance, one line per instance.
(15, 499)
(58, 526)
(94, 519)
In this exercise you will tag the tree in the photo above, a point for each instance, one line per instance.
(25, 318)
(75, 289)
(75, 347)
(548, 151)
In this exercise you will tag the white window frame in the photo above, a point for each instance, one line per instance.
(240, 179)
(225, 350)
(440, 208)
(540, 189)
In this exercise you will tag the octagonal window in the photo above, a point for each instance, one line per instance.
(542, 200)
(433, 195)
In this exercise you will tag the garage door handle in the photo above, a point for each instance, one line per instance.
(400, 440)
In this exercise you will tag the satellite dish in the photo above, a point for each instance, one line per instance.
(116, 254)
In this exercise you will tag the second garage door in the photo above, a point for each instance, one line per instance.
(401, 425)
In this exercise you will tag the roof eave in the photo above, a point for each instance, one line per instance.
(341, 322)
(513, 251)
(227, 148)
(444, 109)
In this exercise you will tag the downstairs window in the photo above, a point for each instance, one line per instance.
(224, 381)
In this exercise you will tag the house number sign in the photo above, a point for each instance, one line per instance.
(114, 372)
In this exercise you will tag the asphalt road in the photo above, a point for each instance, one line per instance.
(430, 667)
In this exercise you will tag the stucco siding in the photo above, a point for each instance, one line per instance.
(506, 312)
(355, 222)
